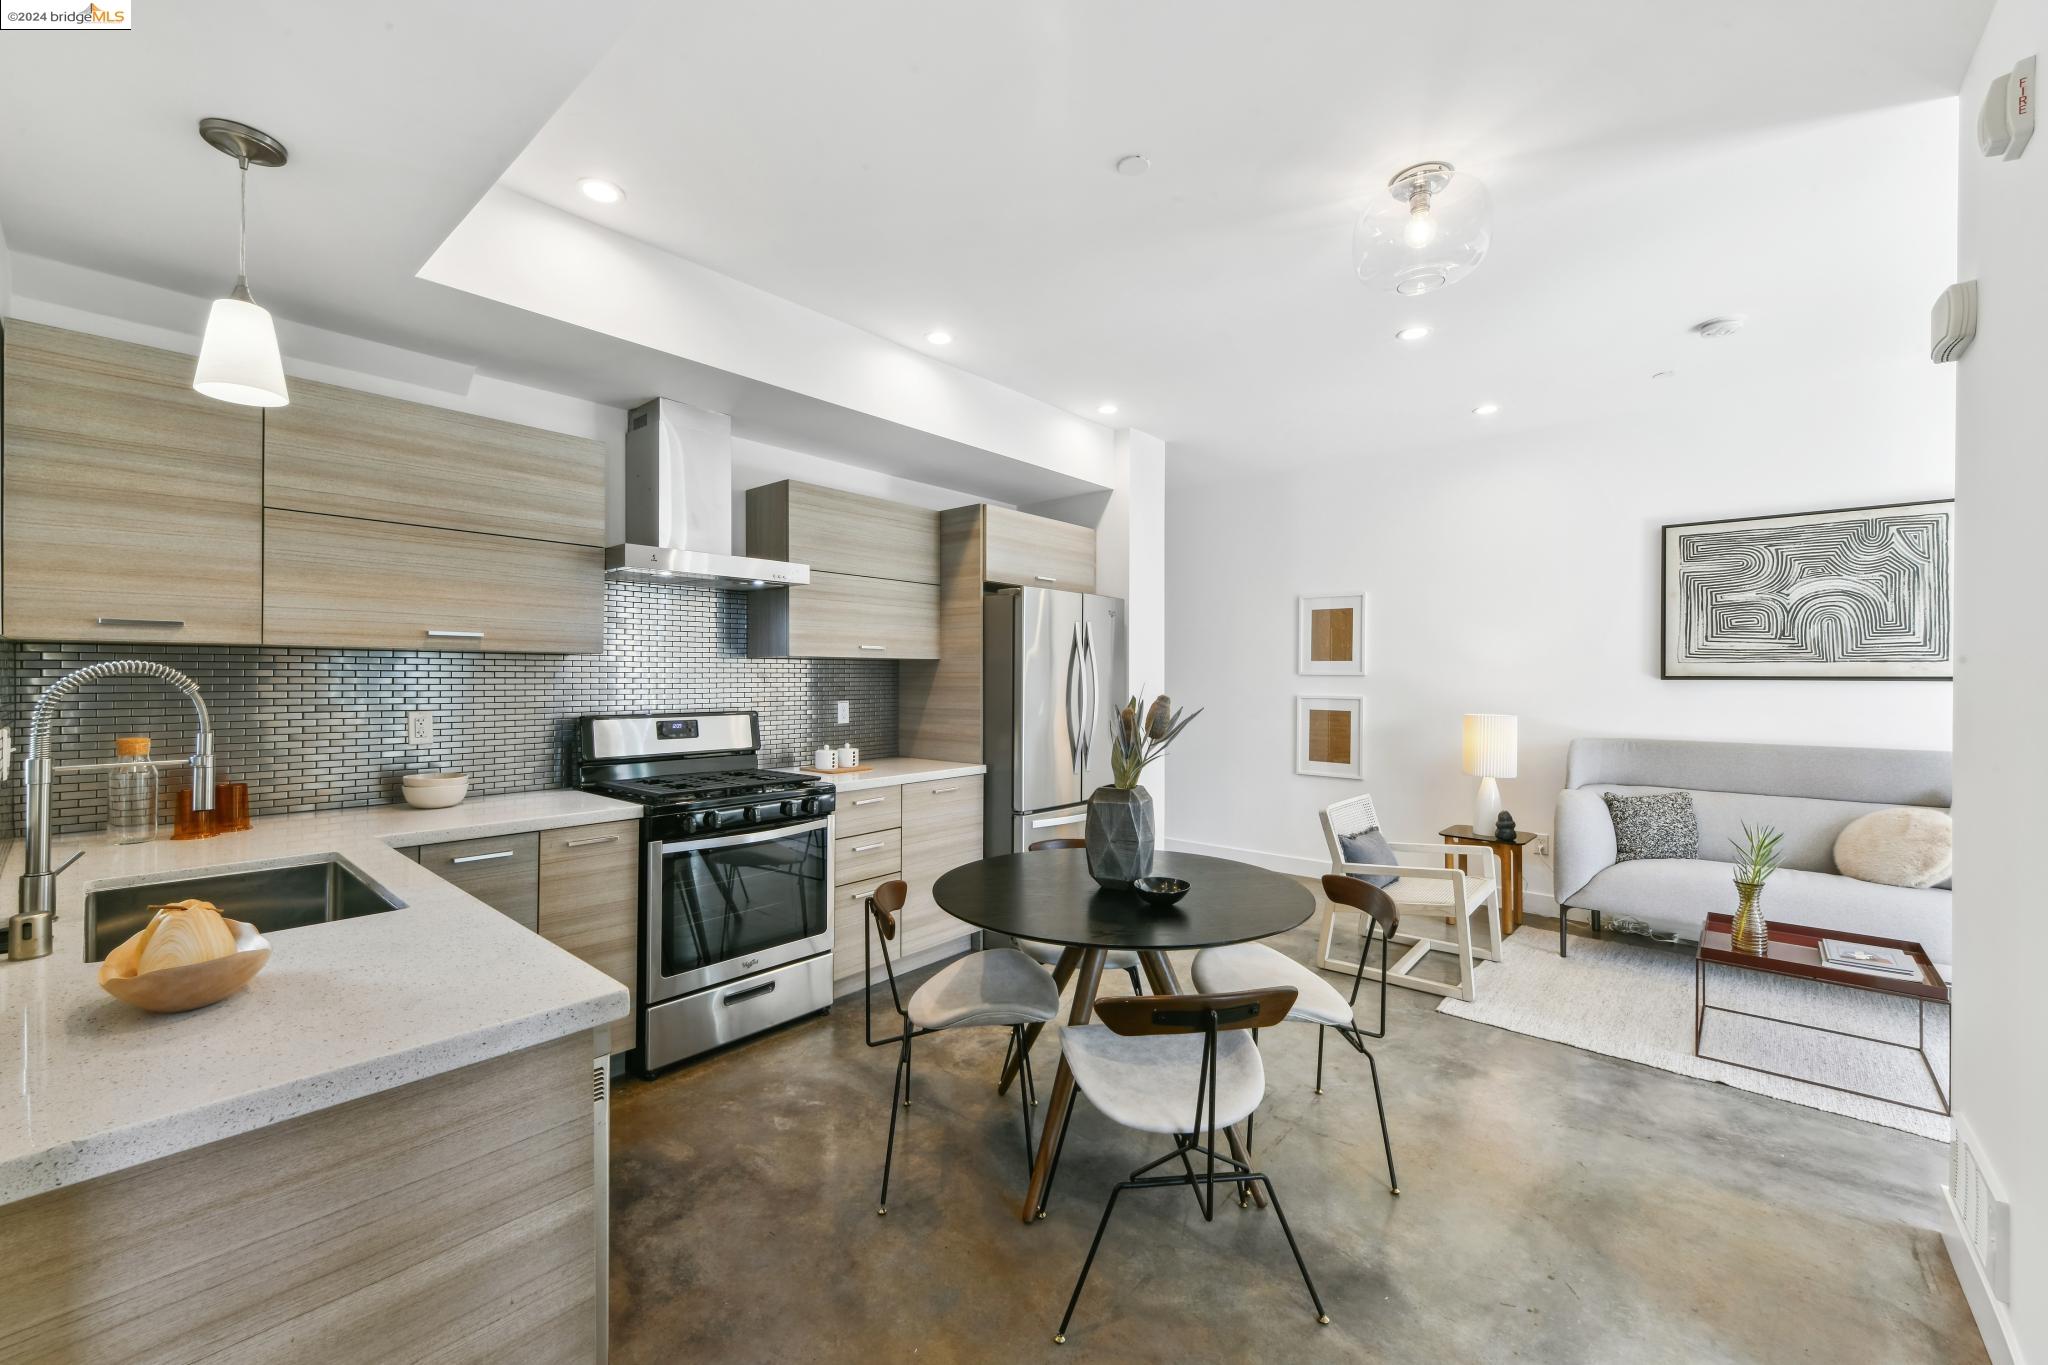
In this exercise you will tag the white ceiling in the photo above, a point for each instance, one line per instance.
(904, 165)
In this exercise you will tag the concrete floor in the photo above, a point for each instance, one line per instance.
(1556, 1206)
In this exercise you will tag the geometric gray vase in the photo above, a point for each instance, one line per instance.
(1120, 834)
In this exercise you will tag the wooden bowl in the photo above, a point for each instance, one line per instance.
(170, 990)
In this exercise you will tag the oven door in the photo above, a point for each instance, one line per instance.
(730, 905)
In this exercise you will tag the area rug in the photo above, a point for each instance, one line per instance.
(1634, 1000)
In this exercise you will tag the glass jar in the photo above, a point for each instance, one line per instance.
(132, 792)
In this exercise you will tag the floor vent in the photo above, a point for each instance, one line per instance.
(1983, 1213)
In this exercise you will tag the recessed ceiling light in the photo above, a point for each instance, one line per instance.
(939, 336)
(1663, 374)
(1720, 327)
(1107, 409)
(1411, 334)
(1486, 410)
(1133, 164)
(602, 191)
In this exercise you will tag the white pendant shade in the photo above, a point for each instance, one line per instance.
(1490, 745)
(238, 359)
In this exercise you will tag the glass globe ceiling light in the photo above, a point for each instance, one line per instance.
(238, 357)
(1432, 229)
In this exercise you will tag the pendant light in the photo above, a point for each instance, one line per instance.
(238, 358)
(1432, 229)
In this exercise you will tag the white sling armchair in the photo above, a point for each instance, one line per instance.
(1448, 893)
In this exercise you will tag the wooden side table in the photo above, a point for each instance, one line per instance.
(1509, 851)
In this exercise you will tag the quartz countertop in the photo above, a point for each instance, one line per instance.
(894, 772)
(344, 1009)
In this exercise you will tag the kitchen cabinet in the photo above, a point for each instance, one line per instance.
(864, 857)
(849, 923)
(132, 507)
(875, 808)
(843, 533)
(843, 616)
(942, 828)
(1024, 551)
(350, 454)
(503, 873)
(348, 583)
(590, 902)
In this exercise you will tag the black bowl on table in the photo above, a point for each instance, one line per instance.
(1159, 892)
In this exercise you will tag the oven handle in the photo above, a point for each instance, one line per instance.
(746, 993)
(759, 836)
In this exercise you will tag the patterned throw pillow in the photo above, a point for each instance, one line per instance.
(1655, 825)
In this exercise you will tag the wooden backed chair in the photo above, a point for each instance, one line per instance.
(995, 988)
(1184, 1066)
(1123, 960)
(1448, 894)
(1252, 966)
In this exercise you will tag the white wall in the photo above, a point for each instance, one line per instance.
(1519, 573)
(2001, 1012)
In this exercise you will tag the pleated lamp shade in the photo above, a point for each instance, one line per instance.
(1490, 745)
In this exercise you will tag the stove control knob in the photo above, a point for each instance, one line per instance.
(819, 805)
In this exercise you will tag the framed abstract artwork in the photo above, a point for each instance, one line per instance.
(1860, 592)
(1330, 635)
(1329, 736)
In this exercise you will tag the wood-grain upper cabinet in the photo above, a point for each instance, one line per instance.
(351, 454)
(503, 873)
(590, 901)
(841, 616)
(941, 830)
(132, 506)
(1026, 551)
(843, 533)
(346, 583)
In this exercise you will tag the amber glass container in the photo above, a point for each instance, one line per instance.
(230, 806)
(187, 823)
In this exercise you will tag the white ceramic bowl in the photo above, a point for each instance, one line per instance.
(435, 791)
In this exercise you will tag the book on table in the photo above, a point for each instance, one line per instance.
(1866, 957)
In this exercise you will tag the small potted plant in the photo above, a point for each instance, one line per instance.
(1756, 860)
(1120, 826)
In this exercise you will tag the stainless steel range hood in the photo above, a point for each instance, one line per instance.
(679, 504)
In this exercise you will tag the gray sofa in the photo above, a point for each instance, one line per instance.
(1808, 792)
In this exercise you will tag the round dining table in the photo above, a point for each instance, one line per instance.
(1049, 896)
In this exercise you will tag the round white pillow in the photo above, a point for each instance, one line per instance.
(1902, 846)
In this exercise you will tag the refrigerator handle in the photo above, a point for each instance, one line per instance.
(1094, 690)
(1075, 662)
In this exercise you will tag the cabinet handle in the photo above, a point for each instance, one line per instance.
(139, 622)
(870, 848)
(869, 801)
(1045, 578)
(941, 791)
(595, 839)
(482, 857)
(455, 635)
(874, 646)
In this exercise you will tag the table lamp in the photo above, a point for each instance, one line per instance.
(1489, 754)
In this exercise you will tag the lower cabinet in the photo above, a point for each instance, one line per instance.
(578, 887)
(941, 828)
(590, 902)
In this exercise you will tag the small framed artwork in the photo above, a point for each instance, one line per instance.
(1332, 635)
(1329, 736)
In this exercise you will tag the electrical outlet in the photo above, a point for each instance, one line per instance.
(1541, 848)
(419, 729)
(845, 712)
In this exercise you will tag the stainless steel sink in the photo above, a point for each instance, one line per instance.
(270, 898)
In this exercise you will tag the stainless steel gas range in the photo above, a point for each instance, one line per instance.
(736, 888)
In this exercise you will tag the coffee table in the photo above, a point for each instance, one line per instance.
(1795, 952)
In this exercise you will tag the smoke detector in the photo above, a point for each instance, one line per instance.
(1133, 164)
(1720, 327)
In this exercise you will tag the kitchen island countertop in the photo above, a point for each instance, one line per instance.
(343, 1010)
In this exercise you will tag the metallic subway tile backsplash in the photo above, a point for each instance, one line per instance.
(318, 729)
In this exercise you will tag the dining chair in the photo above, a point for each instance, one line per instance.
(1118, 959)
(1181, 1065)
(994, 988)
(1448, 893)
(1254, 966)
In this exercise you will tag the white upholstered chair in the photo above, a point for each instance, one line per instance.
(1442, 894)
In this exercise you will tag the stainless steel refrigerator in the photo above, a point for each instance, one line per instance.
(1053, 675)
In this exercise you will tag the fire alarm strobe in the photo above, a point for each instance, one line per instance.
(2007, 119)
